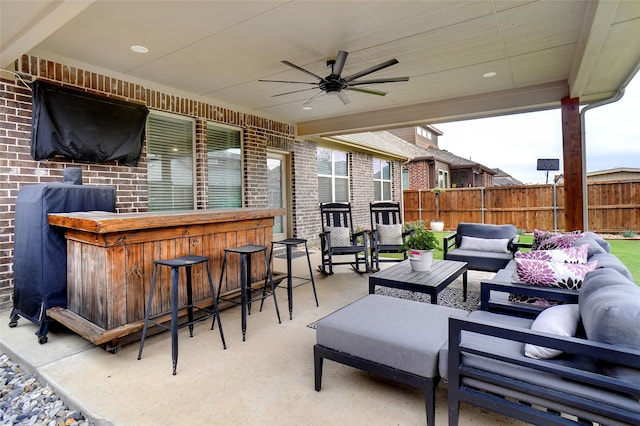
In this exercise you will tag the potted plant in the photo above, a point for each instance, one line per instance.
(420, 247)
(437, 225)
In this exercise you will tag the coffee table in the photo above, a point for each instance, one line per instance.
(432, 282)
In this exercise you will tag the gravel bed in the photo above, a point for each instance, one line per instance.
(25, 401)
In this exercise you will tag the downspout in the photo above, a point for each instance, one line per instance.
(614, 98)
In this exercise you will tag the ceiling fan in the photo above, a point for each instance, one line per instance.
(334, 83)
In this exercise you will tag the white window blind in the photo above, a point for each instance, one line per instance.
(224, 156)
(170, 163)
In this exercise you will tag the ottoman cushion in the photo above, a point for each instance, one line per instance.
(399, 333)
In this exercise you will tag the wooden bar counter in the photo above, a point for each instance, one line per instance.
(110, 263)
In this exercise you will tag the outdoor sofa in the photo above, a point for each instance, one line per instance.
(594, 378)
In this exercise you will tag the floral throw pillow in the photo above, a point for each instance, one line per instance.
(541, 236)
(552, 274)
(559, 241)
(389, 234)
(575, 254)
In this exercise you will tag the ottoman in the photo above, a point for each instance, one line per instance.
(395, 338)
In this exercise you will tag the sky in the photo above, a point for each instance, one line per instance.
(515, 142)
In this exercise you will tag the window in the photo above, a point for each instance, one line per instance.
(333, 176)
(424, 133)
(443, 179)
(381, 180)
(224, 162)
(170, 162)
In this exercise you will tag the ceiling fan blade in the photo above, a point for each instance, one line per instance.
(295, 91)
(378, 81)
(369, 91)
(338, 66)
(313, 98)
(302, 69)
(344, 98)
(284, 81)
(371, 69)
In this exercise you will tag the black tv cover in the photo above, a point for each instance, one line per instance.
(85, 127)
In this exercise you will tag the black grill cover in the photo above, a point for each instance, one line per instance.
(40, 250)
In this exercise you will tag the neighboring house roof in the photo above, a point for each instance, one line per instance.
(388, 142)
(502, 178)
(614, 171)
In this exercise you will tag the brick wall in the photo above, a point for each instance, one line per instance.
(306, 211)
(17, 168)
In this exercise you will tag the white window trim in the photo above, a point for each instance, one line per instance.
(333, 173)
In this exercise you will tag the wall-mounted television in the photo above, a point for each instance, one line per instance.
(85, 127)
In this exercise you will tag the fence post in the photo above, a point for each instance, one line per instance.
(482, 204)
(419, 204)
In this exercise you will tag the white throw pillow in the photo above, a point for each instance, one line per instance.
(499, 245)
(340, 236)
(561, 320)
(389, 234)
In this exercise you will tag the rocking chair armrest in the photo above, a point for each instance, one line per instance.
(363, 233)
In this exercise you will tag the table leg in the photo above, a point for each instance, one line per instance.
(464, 286)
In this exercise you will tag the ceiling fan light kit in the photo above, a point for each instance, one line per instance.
(337, 85)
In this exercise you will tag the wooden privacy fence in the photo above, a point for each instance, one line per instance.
(613, 207)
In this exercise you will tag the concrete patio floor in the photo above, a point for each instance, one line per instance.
(268, 379)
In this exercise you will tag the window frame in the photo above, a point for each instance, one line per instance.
(242, 162)
(381, 180)
(333, 175)
(155, 114)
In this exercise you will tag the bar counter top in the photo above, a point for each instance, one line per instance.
(100, 222)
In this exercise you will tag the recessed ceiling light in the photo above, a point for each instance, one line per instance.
(307, 107)
(489, 74)
(139, 49)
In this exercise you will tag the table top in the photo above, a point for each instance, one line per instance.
(441, 271)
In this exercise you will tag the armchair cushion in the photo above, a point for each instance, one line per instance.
(340, 236)
(498, 245)
(561, 320)
(389, 234)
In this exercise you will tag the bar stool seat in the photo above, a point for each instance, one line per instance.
(186, 262)
(290, 243)
(246, 298)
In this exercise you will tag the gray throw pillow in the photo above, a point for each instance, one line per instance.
(340, 236)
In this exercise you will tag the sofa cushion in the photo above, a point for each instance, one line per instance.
(610, 311)
(607, 260)
(598, 239)
(340, 236)
(561, 320)
(480, 261)
(552, 274)
(576, 254)
(389, 234)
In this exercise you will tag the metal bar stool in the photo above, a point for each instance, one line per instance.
(175, 264)
(245, 253)
(290, 243)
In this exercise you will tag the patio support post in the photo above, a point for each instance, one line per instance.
(573, 160)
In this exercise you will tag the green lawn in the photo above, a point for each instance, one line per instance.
(626, 250)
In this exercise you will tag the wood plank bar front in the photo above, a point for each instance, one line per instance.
(110, 263)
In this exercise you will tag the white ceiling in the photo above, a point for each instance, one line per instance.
(218, 50)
